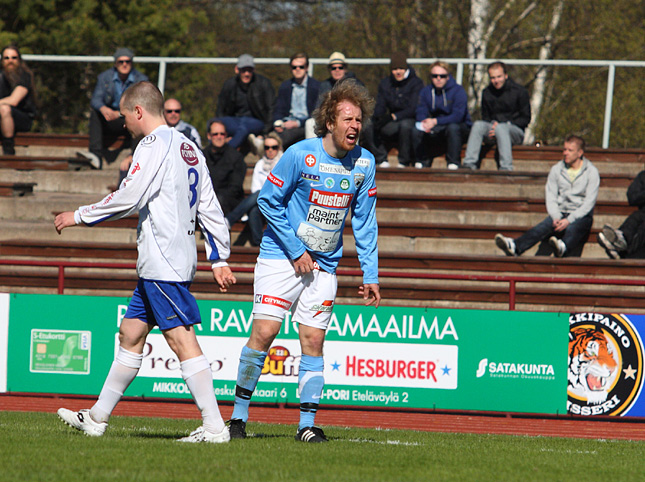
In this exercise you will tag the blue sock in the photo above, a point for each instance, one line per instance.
(310, 382)
(248, 373)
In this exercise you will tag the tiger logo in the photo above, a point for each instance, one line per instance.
(592, 364)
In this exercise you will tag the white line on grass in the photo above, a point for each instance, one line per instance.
(381, 442)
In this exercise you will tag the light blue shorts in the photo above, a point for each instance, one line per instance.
(166, 304)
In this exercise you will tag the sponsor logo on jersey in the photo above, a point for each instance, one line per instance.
(344, 184)
(363, 162)
(605, 372)
(272, 300)
(275, 180)
(310, 177)
(358, 179)
(329, 183)
(326, 218)
(334, 169)
(326, 306)
(372, 192)
(310, 160)
(316, 239)
(331, 199)
(188, 154)
(135, 168)
(146, 141)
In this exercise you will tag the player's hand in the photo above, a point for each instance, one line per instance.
(304, 264)
(371, 293)
(224, 278)
(64, 220)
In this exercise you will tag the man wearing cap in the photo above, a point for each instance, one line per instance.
(297, 98)
(394, 113)
(104, 112)
(245, 103)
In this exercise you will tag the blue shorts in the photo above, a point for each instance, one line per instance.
(166, 304)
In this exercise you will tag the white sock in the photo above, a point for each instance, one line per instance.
(199, 378)
(124, 369)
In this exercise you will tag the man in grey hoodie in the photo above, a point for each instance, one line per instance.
(571, 192)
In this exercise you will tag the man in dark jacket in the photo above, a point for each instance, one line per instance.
(394, 112)
(245, 103)
(104, 112)
(442, 116)
(297, 98)
(629, 240)
(226, 166)
(506, 112)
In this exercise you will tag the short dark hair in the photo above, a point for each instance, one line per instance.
(215, 121)
(345, 90)
(577, 140)
(300, 55)
(147, 95)
(497, 65)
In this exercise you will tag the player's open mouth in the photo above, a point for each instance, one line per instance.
(351, 138)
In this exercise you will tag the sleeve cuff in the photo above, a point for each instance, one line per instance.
(77, 217)
(220, 263)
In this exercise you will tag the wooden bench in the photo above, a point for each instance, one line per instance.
(16, 189)
(28, 163)
(56, 140)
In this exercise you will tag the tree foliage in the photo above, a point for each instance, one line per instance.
(573, 100)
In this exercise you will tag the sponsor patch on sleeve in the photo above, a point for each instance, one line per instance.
(372, 192)
(275, 180)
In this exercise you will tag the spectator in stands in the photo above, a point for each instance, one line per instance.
(226, 165)
(506, 112)
(442, 116)
(297, 98)
(337, 66)
(245, 104)
(571, 192)
(104, 112)
(172, 114)
(394, 114)
(271, 155)
(17, 98)
(629, 240)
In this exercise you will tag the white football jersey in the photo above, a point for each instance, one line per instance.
(170, 186)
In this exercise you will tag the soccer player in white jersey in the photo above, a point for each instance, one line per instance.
(169, 185)
(306, 201)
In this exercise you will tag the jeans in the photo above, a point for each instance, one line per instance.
(100, 127)
(249, 205)
(575, 233)
(401, 130)
(453, 134)
(507, 135)
(291, 136)
(240, 127)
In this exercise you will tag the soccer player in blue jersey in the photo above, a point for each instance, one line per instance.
(170, 187)
(305, 201)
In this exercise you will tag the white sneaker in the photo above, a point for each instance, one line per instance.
(244, 218)
(559, 248)
(615, 237)
(418, 165)
(453, 167)
(95, 161)
(505, 244)
(82, 421)
(202, 435)
(384, 164)
(609, 248)
(257, 144)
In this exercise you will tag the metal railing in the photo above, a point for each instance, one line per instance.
(163, 62)
(512, 280)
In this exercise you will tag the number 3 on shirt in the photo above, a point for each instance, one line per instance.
(192, 184)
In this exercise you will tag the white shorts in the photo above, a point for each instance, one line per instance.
(278, 289)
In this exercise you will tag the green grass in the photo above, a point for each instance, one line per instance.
(37, 446)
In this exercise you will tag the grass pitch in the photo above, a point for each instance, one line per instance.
(38, 446)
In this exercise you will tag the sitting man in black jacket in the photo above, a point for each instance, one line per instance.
(245, 103)
(629, 240)
(226, 166)
(394, 114)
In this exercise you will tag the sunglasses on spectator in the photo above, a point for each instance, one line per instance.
(173, 111)
(124, 61)
(298, 67)
(215, 134)
(439, 76)
(15, 57)
(337, 67)
(266, 148)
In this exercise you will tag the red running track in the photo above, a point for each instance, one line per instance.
(428, 422)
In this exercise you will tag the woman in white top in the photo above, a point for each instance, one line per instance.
(271, 154)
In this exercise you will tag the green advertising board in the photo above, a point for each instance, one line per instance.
(385, 357)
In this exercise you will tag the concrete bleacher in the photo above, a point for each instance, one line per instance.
(431, 221)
